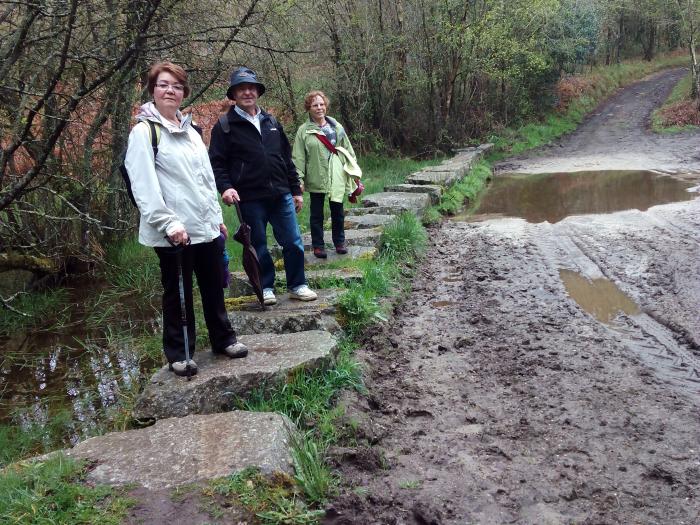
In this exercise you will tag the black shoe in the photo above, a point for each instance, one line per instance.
(320, 253)
(341, 249)
(234, 351)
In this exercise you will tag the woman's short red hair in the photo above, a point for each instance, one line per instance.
(311, 95)
(175, 70)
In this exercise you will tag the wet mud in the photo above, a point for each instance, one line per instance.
(495, 395)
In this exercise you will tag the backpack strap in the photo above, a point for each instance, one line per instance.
(154, 132)
(224, 123)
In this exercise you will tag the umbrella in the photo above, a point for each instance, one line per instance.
(251, 264)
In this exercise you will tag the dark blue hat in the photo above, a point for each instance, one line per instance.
(244, 75)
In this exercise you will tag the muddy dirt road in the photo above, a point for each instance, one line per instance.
(493, 397)
(616, 136)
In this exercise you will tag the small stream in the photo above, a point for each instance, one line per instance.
(78, 370)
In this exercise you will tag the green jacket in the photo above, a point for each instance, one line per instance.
(319, 170)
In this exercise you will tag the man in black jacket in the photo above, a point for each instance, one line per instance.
(252, 163)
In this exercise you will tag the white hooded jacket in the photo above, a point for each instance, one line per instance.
(178, 189)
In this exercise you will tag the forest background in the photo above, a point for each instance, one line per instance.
(406, 77)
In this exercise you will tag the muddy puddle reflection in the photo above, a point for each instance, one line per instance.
(554, 196)
(599, 297)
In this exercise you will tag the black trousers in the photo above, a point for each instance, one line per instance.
(205, 260)
(316, 221)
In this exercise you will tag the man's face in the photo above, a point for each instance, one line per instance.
(246, 97)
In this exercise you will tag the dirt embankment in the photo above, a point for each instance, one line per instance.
(494, 398)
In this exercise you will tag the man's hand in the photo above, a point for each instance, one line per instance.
(223, 229)
(230, 196)
(298, 202)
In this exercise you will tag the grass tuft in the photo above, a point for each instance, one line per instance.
(51, 491)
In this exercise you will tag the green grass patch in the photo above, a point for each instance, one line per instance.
(51, 491)
(132, 269)
(17, 443)
(468, 188)
(274, 500)
(35, 311)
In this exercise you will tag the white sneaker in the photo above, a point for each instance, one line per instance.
(181, 369)
(269, 297)
(303, 293)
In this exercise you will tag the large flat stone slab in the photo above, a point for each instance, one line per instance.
(178, 451)
(240, 286)
(433, 190)
(288, 315)
(434, 176)
(367, 221)
(355, 237)
(399, 201)
(364, 210)
(220, 380)
(354, 253)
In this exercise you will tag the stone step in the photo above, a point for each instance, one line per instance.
(182, 450)
(433, 190)
(438, 175)
(355, 237)
(240, 286)
(220, 380)
(399, 201)
(354, 253)
(369, 220)
(287, 316)
(364, 210)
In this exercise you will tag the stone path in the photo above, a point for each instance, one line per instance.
(196, 435)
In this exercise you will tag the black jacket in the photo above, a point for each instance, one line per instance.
(255, 166)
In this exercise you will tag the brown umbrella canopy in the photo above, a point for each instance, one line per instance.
(251, 265)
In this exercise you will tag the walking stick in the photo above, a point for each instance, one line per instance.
(183, 308)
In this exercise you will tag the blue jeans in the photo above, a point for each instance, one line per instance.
(279, 212)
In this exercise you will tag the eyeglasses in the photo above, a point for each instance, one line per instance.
(175, 87)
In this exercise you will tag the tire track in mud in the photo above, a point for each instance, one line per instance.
(584, 245)
(496, 399)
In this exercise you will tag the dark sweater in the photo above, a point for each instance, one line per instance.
(255, 165)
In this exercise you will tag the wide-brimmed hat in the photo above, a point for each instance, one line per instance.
(244, 75)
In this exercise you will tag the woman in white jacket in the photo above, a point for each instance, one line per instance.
(177, 199)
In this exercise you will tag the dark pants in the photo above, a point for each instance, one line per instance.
(205, 260)
(316, 221)
(279, 212)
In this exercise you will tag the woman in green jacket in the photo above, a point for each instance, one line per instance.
(327, 167)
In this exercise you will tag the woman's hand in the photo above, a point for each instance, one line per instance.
(223, 229)
(179, 236)
(230, 196)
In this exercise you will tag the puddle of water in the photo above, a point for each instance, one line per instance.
(46, 373)
(554, 196)
(78, 368)
(599, 297)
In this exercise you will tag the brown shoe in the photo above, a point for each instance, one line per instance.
(320, 253)
(341, 249)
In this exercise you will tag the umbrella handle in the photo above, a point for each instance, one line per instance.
(238, 212)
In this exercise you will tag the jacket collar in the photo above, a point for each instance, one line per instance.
(148, 111)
